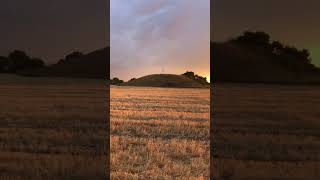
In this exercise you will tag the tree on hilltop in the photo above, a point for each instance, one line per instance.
(288, 56)
(116, 81)
(192, 75)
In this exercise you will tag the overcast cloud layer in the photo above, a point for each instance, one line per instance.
(162, 36)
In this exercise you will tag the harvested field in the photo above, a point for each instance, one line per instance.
(160, 133)
(265, 132)
(52, 128)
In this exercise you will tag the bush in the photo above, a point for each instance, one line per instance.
(116, 81)
(199, 79)
(19, 60)
(3, 64)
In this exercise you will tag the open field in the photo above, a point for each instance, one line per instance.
(52, 128)
(266, 132)
(160, 133)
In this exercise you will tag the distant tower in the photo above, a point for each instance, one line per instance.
(162, 70)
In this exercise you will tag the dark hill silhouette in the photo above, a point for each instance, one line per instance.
(165, 80)
(92, 65)
(253, 58)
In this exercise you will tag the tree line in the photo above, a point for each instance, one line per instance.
(19, 60)
(199, 79)
(289, 56)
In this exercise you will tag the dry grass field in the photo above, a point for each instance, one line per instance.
(52, 128)
(160, 133)
(266, 132)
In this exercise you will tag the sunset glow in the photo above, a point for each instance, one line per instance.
(163, 36)
(208, 78)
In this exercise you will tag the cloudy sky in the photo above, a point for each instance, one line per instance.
(159, 36)
(294, 22)
(52, 29)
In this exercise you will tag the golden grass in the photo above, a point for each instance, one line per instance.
(266, 132)
(159, 133)
(52, 128)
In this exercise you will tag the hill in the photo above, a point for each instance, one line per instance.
(91, 65)
(253, 58)
(165, 80)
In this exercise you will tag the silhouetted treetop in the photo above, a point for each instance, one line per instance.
(260, 41)
(254, 57)
(75, 64)
(116, 81)
(192, 75)
(253, 38)
(19, 60)
(74, 55)
(37, 62)
(18, 55)
(189, 74)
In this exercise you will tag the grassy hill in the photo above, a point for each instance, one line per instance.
(165, 80)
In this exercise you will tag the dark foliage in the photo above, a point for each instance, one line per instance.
(4, 62)
(70, 58)
(19, 61)
(253, 57)
(78, 65)
(116, 81)
(261, 39)
(192, 75)
(287, 55)
(74, 55)
(75, 64)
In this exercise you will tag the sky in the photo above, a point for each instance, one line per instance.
(159, 37)
(293, 22)
(52, 29)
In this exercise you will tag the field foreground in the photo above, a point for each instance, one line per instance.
(160, 133)
(265, 132)
(52, 128)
